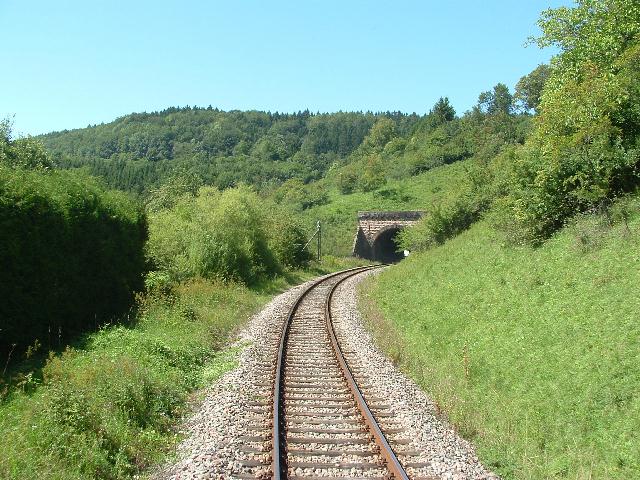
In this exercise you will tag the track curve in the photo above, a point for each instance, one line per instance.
(322, 424)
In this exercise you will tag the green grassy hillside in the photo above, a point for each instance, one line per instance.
(106, 408)
(532, 353)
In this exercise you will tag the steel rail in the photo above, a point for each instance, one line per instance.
(391, 460)
(279, 461)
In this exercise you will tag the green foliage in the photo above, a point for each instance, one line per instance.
(381, 133)
(529, 88)
(420, 192)
(584, 149)
(440, 223)
(593, 32)
(286, 238)
(108, 409)
(373, 176)
(179, 184)
(23, 152)
(347, 179)
(440, 138)
(72, 254)
(441, 113)
(141, 152)
(231, 235)
(532, 353)
(298, 196)
(498, 101)
(438, 146)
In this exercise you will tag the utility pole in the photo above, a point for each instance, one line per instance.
(319, 231)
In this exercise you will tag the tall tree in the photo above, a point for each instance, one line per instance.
(529, 88)
(584, 148)
(497, 101)
(442, 111)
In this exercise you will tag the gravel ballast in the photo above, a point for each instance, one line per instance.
(231, 426)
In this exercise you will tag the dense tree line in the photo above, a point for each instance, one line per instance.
(578, 153)
(139, 151)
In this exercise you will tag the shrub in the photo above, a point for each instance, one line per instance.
(373, 175)
(287, 237)
(347, 179)
(230, 235)
(584, 147)
(441, 223)
(299, 196)
(22, 152)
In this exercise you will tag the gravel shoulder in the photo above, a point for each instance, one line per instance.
(224, 424)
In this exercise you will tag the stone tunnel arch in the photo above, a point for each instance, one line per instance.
(385, 248)
(374, 239)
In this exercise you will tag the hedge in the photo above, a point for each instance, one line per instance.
(71, 256)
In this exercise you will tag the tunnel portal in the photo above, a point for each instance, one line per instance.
(376, 234)
(385, 248)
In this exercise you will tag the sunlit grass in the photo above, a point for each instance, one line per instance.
(532, 353)
(107, 407)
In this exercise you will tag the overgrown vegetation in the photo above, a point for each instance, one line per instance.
(584, 147)
(75, 255)
(105, 408)
(140, 151)
(230, 235)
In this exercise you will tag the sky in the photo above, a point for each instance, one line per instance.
(70, 63)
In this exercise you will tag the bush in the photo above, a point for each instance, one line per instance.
(72, 255)
(441, 223)
(584, 148)
(22, 152)
(230, 235)
(347, 180)
(287, 237)
(373, 175)
(299, 196)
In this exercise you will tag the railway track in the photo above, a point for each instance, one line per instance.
(323, 422)
(321, 429)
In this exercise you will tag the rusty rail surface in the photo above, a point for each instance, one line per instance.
(279, 454)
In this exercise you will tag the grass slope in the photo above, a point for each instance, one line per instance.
(532, 353)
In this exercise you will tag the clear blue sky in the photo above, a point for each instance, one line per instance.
(69, 63)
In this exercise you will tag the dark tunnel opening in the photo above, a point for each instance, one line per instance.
(385, 247)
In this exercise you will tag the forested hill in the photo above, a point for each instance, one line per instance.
(138, 151)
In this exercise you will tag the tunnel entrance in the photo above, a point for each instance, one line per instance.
(385, 247)
(377, 231)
